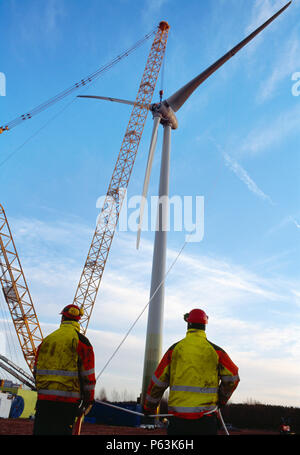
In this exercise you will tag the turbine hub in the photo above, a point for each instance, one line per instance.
(166, 114)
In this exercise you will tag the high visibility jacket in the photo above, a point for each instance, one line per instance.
(64, 366)
(200, 376)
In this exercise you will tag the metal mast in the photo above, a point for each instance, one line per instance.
(153, 347)
(91, 276)
(17, 294)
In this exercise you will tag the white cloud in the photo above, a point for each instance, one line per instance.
(151, 10)
(262, 10)
(295, 222)
(269, 382)
(242, 174)
(283, 61)
(270, 134)
(283, 223)
(53, 12)
(285, 65)
(296, 294)
(39, 21)
(244, 177)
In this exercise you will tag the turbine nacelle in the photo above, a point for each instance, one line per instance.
(165, 113)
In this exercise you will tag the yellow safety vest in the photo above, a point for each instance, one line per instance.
(64, 367)
(200, 375)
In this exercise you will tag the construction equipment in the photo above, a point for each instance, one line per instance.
(17, 372)
(92, 273)
(17, 295)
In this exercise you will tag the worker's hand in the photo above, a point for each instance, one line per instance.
(84, 407)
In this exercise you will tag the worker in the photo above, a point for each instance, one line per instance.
(64, 376)
(201, 377)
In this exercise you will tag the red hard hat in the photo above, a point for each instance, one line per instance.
(72, 312)
(196, 316)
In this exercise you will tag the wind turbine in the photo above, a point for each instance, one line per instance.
(164, 114)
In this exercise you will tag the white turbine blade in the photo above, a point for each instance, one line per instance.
(117, 100)
(179, 98)
(106, 98)
(152, 147)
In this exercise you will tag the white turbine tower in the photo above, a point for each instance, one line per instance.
(164, 114)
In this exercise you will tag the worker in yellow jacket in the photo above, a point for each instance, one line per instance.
(201, 377)
(64, 373)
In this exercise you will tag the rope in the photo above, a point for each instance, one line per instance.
(162, 84)
(215, 409)
(222, 422)
(154, 416)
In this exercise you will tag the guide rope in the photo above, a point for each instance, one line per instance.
(146, 415)
(129, 411)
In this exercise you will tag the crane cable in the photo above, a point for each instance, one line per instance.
(162, 83)
(83, 82)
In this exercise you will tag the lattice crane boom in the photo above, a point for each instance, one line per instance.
(17, 295)
(91, 276)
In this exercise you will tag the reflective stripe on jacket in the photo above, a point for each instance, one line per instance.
(64, 366)
(200, 376)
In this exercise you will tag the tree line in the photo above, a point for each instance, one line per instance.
(261, 416)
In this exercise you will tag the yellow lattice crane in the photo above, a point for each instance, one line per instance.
(91, 276)
(17, 295)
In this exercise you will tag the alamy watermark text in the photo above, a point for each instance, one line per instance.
(179, 213)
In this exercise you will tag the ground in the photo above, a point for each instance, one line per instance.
(25, 426)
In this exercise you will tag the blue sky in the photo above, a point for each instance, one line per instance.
(237, 145)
